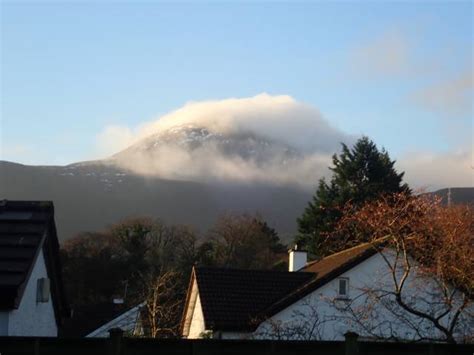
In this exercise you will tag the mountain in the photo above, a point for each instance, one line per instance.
(185, 174)
(189, 137)
(89, 196)
(190, 152)
(457, 195)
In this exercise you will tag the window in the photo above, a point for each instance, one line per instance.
(343, 287)
(42, 290)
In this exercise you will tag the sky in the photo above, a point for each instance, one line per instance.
(399, 72)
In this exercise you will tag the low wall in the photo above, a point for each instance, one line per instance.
(118, 345)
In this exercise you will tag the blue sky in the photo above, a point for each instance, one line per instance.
(400, 72)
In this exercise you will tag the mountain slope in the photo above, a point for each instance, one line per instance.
(464, 195)
(89, 196)
(246, 145)
(185, 174)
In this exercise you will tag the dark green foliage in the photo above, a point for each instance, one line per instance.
(360, 174)
(130, 255)
(243, 242)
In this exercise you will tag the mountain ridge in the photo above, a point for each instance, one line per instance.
(174, 175)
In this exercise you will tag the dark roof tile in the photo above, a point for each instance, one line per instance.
(24, 239)
(11, 279)
(12, 253)
(232, 299)
(13, 266)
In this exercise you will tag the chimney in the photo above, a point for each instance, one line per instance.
(297, 259)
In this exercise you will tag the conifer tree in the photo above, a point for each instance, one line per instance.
(360, 174)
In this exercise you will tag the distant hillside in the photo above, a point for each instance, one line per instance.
(464, 195)
(90, 196)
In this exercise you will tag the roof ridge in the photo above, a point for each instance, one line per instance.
(337, 253)
(249, 270)
(347, 250)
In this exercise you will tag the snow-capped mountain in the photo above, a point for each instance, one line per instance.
(191, 138)
(196, 153)
(186, 174)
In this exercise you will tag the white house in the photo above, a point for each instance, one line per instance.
(31, 294)
(322, 300)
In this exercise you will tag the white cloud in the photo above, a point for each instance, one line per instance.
(430, 171)
(395, 55)
(113, 139)
(387, 54)
(451, 96)
(277, 118)
(208, 163)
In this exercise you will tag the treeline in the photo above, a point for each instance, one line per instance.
(126, 259)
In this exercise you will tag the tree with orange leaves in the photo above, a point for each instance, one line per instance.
(428, 249)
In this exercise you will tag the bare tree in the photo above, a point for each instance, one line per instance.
(162, 306)
(305, 323)
(245, 241)
(428, 253)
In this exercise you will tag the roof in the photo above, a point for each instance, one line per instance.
(127, 321)
(231, 299)
(87, 319)
(26, 228)
(236, 300)
(328, 264)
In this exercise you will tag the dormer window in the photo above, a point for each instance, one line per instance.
(343, 287)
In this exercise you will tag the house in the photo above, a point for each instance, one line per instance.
(320, 300)
(95, 321)
(32, 301)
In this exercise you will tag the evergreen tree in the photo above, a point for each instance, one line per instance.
(360, 174)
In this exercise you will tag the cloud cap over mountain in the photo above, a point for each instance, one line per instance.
(279, 118)
(258, 139)
(265, 138)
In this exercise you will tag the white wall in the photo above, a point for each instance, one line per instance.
(197, 322)
(317, 308)
(32, 318)
(318, 317)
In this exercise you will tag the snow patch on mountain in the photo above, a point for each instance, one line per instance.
(189, 152)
